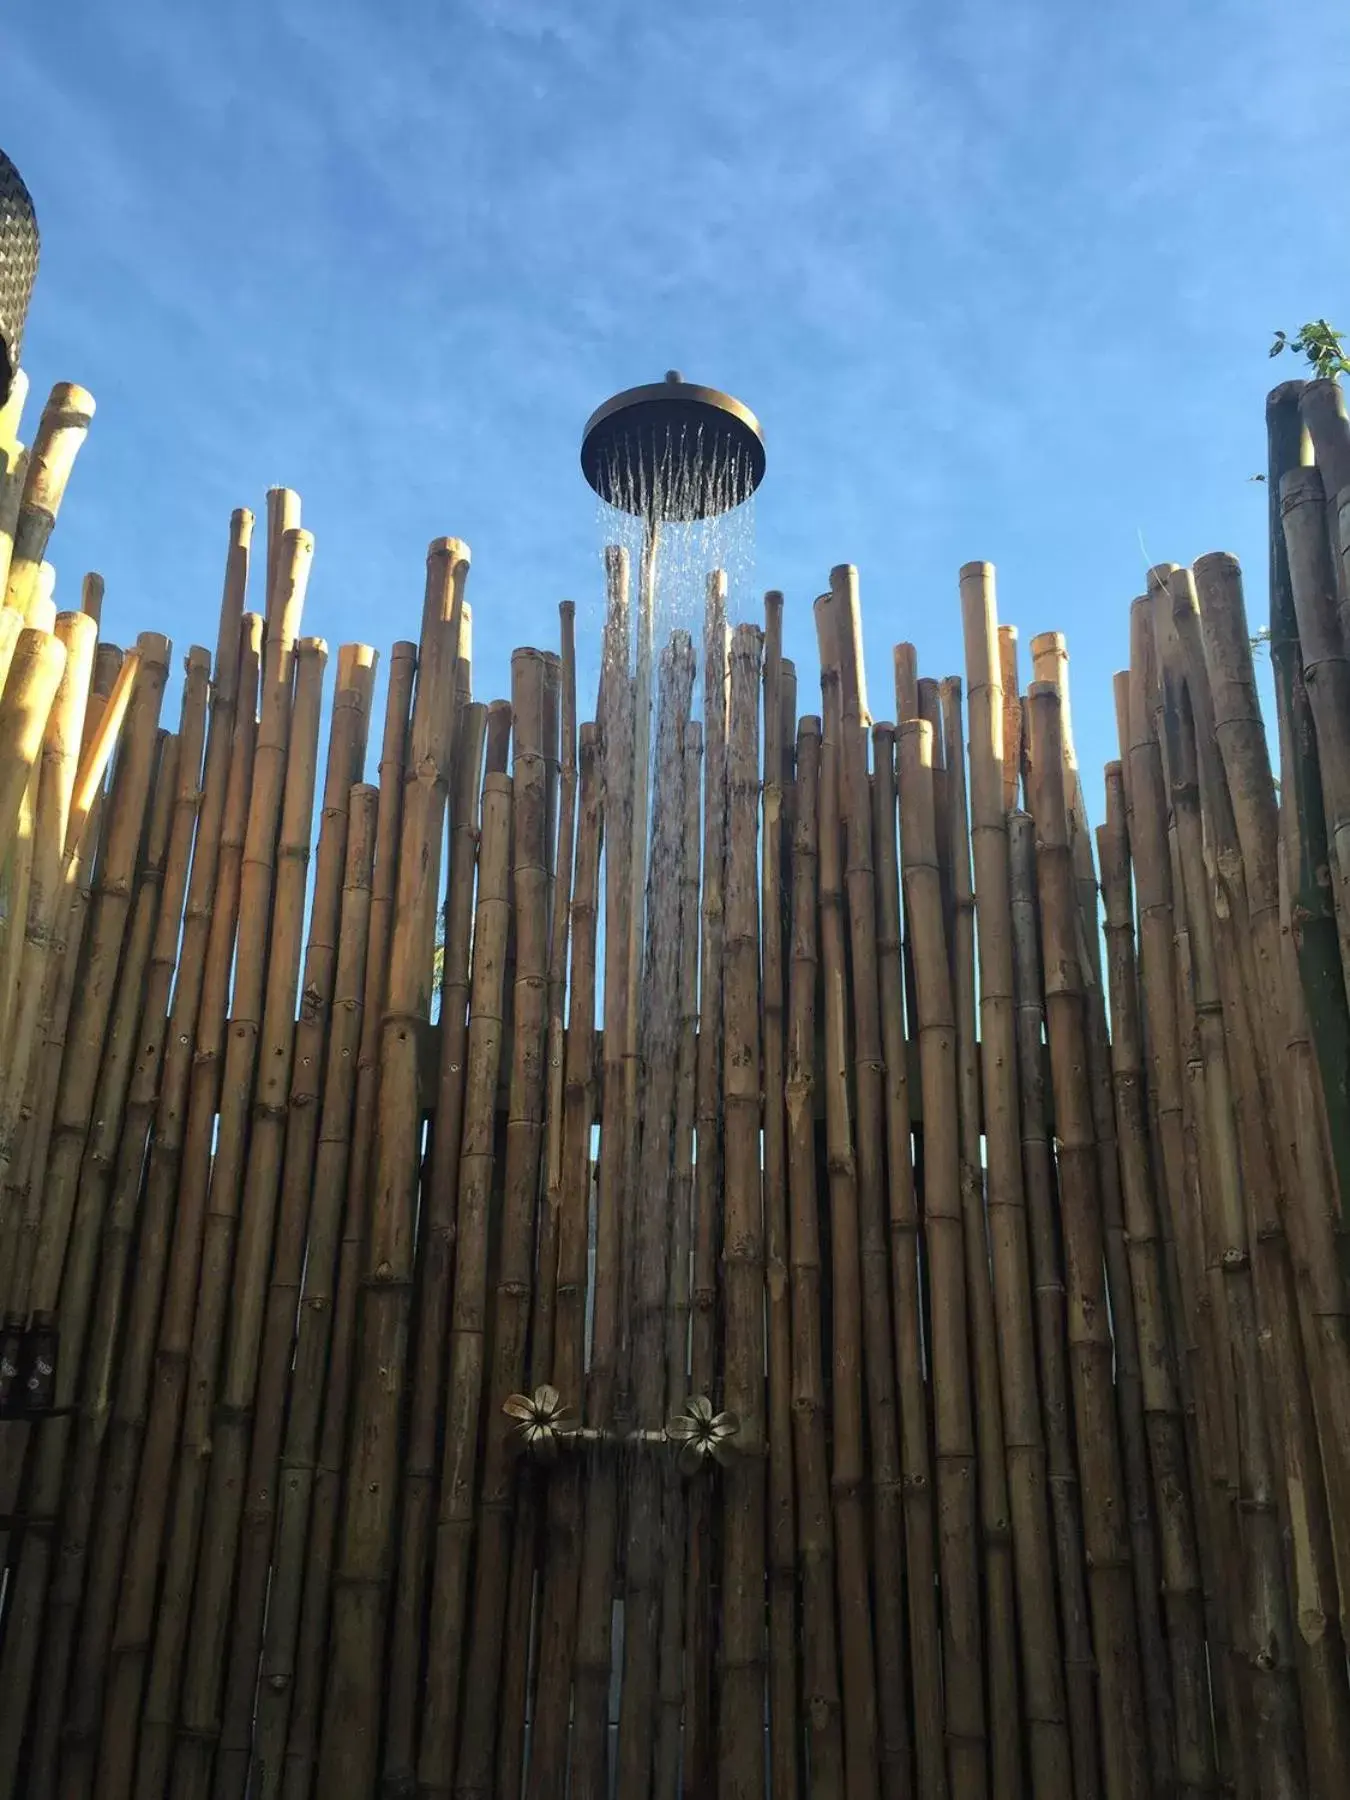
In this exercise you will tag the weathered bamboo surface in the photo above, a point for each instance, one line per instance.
(691, 1251)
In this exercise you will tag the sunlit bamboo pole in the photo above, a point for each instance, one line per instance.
(349, 1745)
(61, 431)
(953, 1427)
(1110, 1586)
(562, 1538)
(820, 1655)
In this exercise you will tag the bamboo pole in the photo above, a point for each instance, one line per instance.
(1302, 810)
(821, 1702)
(1326, 667)
(446, 1646)
(954, 1442)
(1322, 408)
(520, 1195)
(248, 1499)
(541, 1347)
(842, 644)
(1182, 1590)
(740, 1732)
(783, 1743)
(291, 1699)
(350, 1735)
(34, 675)
(848, 1469)
(674, 1519)
(96, 753)
(183, 1690)
(991, 789)
(519, 1673)
(1005, 1735)
(1011, 694)
(1110, 1588)
(437, 1232)
(558, 1605)
(119, 1613)
(649, 1247)
(708, 1180)
(1051, 663)
(69, 1288)
(189, 1336)
(61, 431)
(1047, 1284)
(906, 1312)
(107, 1194)
(13, 461)
(591, 1666)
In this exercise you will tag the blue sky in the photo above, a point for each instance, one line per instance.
(999, 281)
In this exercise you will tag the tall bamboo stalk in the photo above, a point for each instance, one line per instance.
(446, 1646)
(349, 1747)
(649, 1248)
(954, 1440)
(907, 1304)
(1011, 690)
(120, 1608)
(520, 1194)
(314, 1454)
(1110, 1587)
(1322, 409)
(708, 1179)
(1047, 1281)
(225, 1080)
(61, 431)
(558, 1604)
(783, 1741)
(991, 789)
(815, 1535)
(436, 1238)
(671, 1678)
(842, 644)
(1005, 1736)
(1302, 810)
(848, 1469)
(1182, 1592)
(273, 1332)
(740, 1731)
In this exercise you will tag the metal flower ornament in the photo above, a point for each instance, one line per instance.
(541, 1421)
(702, 1434)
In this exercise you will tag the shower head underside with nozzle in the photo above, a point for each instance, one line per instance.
(673, 451)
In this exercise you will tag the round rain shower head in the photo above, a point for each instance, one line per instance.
(672, 450)
(18, 267)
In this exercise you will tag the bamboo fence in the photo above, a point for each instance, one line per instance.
(825, 1276)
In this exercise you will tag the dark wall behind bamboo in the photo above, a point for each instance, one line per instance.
(731, 1247)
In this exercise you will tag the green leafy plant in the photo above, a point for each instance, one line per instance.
(1321, 343)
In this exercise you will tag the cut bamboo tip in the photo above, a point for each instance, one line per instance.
(91, 595)
(455, 549)
(354, 660)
